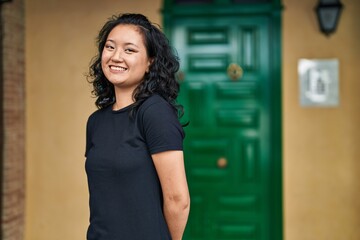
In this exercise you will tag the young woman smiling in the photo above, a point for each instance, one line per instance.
(134, 158)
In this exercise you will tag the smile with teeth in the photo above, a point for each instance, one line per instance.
(118, 68)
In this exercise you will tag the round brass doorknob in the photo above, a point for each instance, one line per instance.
(222, 162)
(234, 71)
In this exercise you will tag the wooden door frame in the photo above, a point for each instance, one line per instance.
(273, 11)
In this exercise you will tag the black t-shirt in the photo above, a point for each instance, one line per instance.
(125, 193)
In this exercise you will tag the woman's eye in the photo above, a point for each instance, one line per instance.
(129, 50)
(109, 47)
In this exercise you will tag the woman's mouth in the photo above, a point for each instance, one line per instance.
(117, 68)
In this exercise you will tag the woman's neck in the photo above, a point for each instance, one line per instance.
(123, 99)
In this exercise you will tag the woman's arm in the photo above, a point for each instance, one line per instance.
(171, 171)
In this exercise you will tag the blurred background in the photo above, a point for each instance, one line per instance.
(314, 166)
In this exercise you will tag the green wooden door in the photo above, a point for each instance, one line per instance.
(228, 141)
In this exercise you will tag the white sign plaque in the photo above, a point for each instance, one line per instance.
(319, 82)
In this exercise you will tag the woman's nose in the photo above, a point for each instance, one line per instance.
(117, 56)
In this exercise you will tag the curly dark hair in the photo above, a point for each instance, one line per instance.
(160, 79)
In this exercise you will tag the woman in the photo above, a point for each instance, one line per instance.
(134, 165)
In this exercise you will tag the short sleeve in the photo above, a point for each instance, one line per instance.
(162, 129)
(89, 126)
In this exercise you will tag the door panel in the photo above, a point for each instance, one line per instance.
(227, 141)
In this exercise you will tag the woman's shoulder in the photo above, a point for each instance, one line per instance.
(155, 100)
(156, 106)
(98, 113)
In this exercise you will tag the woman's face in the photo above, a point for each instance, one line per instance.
(124, 58)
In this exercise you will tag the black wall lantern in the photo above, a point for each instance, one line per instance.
(328, 14)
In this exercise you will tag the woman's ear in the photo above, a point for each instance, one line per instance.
(151, 60)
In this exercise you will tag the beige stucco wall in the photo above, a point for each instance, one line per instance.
(60, 41)
(321, 167)
(321, 145)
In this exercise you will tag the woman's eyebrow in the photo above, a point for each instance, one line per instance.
(126, 44)
(132, 44)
